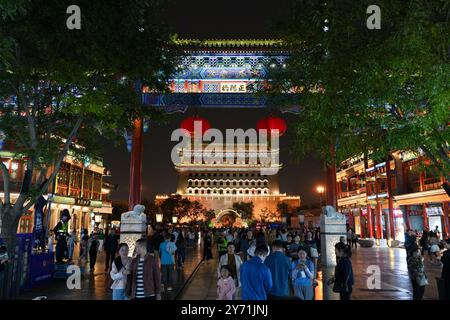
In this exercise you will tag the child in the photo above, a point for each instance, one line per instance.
(225, 286)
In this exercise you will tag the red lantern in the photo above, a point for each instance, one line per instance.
(271, 124)
(188, 124)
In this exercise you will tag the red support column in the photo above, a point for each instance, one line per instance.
(425, 217)
(331, 181)
(390, 199)
(362, 225)
(351, 222)
(407, 217)
(446, 233)
(370, 220)
(378, 210)
(136, 166)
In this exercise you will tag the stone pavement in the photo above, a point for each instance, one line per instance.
(395, 283)
(94, 286)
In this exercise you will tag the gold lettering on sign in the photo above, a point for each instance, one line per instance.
(233, 87)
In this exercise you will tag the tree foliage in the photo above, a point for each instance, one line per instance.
(245, 209)
(184, 209)
(61, 89)
(369, 91)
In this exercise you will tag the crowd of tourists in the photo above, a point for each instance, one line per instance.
(427, 246)
(276, 264)
(252, 264)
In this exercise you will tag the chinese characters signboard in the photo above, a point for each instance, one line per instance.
(233, 87)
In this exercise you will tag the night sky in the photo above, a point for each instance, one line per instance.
(215, 19)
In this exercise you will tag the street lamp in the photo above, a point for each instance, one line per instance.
(159, 217)
(174, 220)
(320, 190)
(97, 220)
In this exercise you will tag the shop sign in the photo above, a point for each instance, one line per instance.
(82, 202)
(233, 87)
(434, 211)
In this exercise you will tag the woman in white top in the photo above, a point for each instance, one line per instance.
(224, 261)
(119, 272)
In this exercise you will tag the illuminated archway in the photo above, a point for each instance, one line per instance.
(229, 218)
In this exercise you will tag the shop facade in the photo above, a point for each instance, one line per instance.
(382, 200)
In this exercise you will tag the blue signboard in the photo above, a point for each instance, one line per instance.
(41, 269)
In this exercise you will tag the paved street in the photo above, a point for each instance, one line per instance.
(94, 285)
(395, 284)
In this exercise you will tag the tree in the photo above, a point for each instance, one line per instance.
(267, 215)
(369, 91)
(245, 209)
(184, 209)
(66, 88)
(283, 208)
(119, 207)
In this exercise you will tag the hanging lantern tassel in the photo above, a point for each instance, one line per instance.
(146, 125)
(129, 140)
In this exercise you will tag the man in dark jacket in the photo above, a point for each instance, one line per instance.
(61, 231)
(445, 259)
(111, 244)
(245, 244)
(280, 268)
(256, 278)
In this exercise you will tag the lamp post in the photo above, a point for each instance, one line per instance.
(174, 220)
(97, 219)
(159, 217)
(320, 190)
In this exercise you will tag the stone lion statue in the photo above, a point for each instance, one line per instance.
(331, 213)
(137, 213)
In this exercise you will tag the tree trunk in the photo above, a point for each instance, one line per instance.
(8, 233)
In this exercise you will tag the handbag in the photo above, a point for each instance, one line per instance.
(423, 280)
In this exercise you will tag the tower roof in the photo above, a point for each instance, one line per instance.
(234, 45)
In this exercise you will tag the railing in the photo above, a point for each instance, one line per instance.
(352, 193)
(432, 183)
(62, 190)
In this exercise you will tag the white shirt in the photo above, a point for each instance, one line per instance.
(120, 280)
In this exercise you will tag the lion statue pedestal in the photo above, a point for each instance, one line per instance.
(332, 226)
(133, 225)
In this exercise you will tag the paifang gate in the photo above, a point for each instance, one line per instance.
(218, 74)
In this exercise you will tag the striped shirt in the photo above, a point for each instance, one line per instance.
(140, 279)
